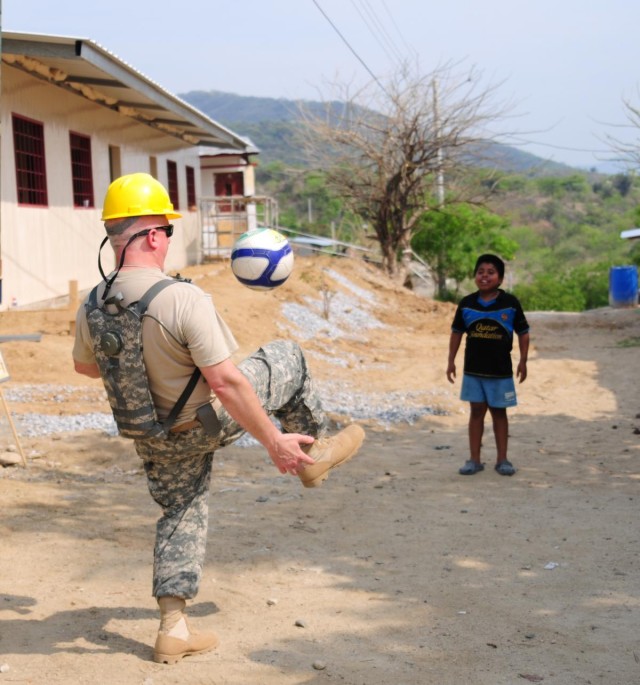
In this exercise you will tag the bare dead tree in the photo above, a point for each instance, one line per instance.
(388, 149)
(627, 151)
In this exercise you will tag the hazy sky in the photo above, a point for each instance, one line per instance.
(566, 64)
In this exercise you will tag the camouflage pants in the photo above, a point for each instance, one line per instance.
(178, 469)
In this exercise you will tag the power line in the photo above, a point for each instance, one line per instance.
(395, 26)
(377, 30)
(524, 141)
(346, 42)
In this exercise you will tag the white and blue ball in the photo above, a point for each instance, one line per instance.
(262, 259)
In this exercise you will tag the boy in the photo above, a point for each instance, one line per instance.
(489, 317)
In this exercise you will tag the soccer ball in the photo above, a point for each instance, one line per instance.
(262, 259)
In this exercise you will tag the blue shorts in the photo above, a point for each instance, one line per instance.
(495, 392)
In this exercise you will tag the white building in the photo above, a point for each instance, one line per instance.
(74, 117)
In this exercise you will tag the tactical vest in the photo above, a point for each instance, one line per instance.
(117, 345)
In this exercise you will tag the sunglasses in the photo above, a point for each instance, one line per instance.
(168, 229)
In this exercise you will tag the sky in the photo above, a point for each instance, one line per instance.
(565, 66)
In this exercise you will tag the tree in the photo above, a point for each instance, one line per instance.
(389, 145)
(551, 292)
(626, 149)
(450, 241)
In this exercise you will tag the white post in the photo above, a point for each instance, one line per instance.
(13, 428)
(436, 121)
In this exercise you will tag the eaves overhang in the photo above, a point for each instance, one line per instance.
(83, 67)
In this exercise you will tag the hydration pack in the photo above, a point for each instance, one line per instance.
(117, 345)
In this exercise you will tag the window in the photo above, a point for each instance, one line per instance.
(31, 173)
(229, 185)
(172, 174)
(191, 188)
(81, 173)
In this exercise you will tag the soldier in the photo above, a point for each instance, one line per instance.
(199, 399)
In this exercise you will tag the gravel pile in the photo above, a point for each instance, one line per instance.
(333, 315)
(346, 319)
(39, 425)
(386, 410)
(46, 392)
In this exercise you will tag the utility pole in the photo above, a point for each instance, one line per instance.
(436, 123)
(439, 276)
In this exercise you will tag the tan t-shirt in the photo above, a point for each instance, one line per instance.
(182, 329)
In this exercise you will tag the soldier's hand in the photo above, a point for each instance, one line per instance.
(287, 454)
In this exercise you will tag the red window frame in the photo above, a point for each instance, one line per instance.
(172, 177)
(191, 187)
(30, 161)
(81, 170)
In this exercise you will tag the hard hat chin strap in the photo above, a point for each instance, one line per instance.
(110, 281)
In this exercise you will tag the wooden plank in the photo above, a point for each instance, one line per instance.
(33, 337)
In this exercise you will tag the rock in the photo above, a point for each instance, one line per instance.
(9, 458)
(319, 665)
(300, 623)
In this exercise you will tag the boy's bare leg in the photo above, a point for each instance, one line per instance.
(500, 431)
(476, 429)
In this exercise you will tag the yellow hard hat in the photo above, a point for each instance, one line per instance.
(137, 195)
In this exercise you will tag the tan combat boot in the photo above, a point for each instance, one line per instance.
(176, 639)
(329, 453)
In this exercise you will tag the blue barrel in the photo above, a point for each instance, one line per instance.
(623, 286)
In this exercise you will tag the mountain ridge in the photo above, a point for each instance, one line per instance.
(271, 125)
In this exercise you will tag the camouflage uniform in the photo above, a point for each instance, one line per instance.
(179, 468)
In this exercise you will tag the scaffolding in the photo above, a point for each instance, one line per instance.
(224, 219)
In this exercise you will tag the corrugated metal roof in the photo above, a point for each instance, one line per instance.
(85, 68)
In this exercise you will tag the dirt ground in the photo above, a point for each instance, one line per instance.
(397, 571)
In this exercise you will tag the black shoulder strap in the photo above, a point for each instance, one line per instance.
(177, 407)
(142, 304)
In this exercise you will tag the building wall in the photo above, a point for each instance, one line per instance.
(43, 248)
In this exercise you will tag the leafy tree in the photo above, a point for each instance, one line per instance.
(622, 183)
(593, 281)
(584, 287)
(634, 253)
(512, 183)
(575, 184)
(551, 291)
(450, 241)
